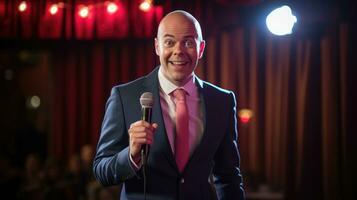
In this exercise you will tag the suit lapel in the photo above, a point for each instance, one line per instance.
(204, 148)
(199, 148)
(151, 84)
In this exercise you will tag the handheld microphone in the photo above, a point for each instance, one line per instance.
(146, 102)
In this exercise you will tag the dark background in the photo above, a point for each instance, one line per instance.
(299, 144)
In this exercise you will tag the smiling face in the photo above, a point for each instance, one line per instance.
(179, 46)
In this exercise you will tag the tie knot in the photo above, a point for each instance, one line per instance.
(180, 94)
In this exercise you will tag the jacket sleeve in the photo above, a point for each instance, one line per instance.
(227, 177)
(112, 163)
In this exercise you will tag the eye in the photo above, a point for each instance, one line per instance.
(169, 43)
(190, 43)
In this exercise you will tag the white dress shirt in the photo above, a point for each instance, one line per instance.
(195, 109)
(168, 107)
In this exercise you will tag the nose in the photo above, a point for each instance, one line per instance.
(179, 48)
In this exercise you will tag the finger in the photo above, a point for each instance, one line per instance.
(140, 123)
(141, 141)
(141, 133)
(135, 124)
(155, 126)
(136, 130)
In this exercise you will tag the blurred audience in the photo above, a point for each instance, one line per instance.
(31, 183)
(52, 179)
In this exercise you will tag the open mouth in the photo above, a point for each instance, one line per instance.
(178, 62)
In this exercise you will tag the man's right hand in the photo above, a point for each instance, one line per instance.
(140, 133)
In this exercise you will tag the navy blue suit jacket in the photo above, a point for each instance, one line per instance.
(216, 155)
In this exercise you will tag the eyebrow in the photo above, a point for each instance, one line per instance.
(171, 36)
(168, 35)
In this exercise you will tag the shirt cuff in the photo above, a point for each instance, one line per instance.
(136, 166)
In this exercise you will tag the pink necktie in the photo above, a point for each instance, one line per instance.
(181, 140)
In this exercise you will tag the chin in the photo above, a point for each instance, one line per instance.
(181, 80)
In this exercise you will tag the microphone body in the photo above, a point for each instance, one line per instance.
(145, 116)
(146, 102)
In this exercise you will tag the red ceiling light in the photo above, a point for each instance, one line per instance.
(22, 6)
(111, 7)
(245, 115)
(83, 11)
(146, 5)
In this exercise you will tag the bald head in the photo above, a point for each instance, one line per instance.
(179, 45)
(180, 17)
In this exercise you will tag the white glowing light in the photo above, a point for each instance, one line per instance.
(84, 12)
(22, 6)
(281, 21)
(53, 9)
(112, 8)
(145, 6)
(33, 102)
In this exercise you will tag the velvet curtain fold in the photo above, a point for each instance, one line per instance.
(83, 76)
(301, 139)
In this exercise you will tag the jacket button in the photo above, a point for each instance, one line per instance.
(182, 180)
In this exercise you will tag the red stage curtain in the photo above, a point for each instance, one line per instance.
(301, 89)
(83, 75)
(301, 138)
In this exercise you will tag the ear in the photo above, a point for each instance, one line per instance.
(157, 49)
(202, 48)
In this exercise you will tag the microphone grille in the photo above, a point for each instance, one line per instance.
(147, 99)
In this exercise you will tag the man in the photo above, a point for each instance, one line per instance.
(205, 113)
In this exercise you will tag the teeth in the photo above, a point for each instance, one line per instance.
(178, 62)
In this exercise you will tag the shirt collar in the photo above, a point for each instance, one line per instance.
(167, 86)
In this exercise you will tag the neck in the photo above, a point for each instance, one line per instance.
(182, 83)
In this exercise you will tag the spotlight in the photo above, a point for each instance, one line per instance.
(145, 5)
(33, 102)
(281, 21)
(112, 8)
(84, 12)
(53, 9)
(22, 6)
